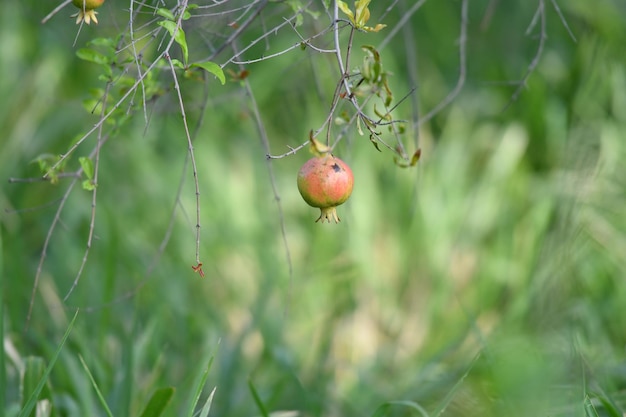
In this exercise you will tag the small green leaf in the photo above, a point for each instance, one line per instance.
(344, 8)
(375, 143)
(87, 165)
(213, 68)
(91, 55)
(186, 14)
(416, 157)
(88, 185)
(103, 42)
(159, 400)
(177, 63)
(359, 128)
(362, 13)
(179, 36)
(166, 13)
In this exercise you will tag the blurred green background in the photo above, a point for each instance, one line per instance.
(486, 281)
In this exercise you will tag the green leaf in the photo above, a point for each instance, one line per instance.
(362, 14)
(376, 28)
(416, 157)
(88, 185)
(200, 387)
(207, 404)
(177, 63)
(384, 408)
(166, 13)
(179, 36)
(213, 68)
(344, 8)
(34, 369)
(91, 55)
(257, 400)
(375, 143)
(159, 400)
(590, 410)
(105, 42)
(95, 386)
(609, 406)
(32, 400)
(87, 165)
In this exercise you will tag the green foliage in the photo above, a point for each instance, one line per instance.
(88, 169)
(34, 372)
(360, 16)
(35, 377)
(484, 281)
(158, 402)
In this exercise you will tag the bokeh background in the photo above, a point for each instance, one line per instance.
(486, 280)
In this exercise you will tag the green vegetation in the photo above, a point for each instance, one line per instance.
(485, 279)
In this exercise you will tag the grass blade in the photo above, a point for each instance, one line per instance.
(383, 408)
(32, 400)
(610, 408)
(257, 399)
(34, 369)
(200, 387)
(3, 371)
(207, 405)
(95, 387)
(158, 402)
(590, 410)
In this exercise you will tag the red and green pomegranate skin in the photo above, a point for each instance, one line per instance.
(325, 182)
(87, 4)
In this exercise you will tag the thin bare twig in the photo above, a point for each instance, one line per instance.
(194, 167)
(306, 42)
(44, 251)
(266, 145)
(94, 194)
(563, 20)
(55, 11)
(292, 151)
(410, 47)
(42, 179)
(239, 31)
(131, 33)
(541, 16)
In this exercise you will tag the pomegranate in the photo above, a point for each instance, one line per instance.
(325, 182)
(87, 12)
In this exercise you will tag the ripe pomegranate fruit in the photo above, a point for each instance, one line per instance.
(325, 182)
(87, 12)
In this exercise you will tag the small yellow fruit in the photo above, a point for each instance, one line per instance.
(87, 12)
